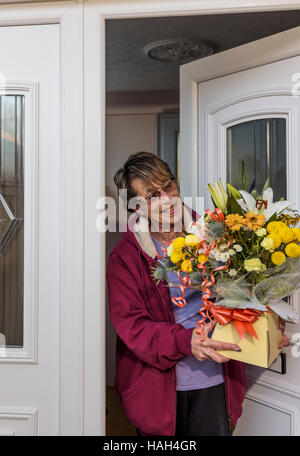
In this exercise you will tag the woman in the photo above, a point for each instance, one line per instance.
(169, 381)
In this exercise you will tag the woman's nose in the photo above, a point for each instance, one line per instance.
(164, 195)
(164, 198)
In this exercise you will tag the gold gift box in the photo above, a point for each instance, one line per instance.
(261, 351)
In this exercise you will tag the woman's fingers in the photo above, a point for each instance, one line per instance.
(218, 345)
(284, 341)
(282, 324)
(215, 356)
(203, 350)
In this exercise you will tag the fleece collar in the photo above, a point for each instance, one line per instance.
(143, 238)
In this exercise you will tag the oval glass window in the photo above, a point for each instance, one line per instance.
(261, 145)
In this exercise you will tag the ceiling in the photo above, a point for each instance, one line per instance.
(129, 69)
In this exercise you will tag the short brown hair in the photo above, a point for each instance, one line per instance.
(147, 167)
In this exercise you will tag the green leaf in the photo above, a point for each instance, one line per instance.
(233, 206)
(233, 191)
(244, 177)
(273, 218)
(267, 184)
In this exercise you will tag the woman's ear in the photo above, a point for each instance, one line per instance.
(138, 205)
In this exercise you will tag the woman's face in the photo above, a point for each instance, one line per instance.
(162, 202)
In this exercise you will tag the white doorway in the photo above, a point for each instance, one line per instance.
(119, 115)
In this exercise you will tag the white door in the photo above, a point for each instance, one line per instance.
(244, 105)
(29, 240)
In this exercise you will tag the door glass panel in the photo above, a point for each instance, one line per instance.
(11, 218)
(261, 144)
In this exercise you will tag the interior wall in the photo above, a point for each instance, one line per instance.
(131, 126)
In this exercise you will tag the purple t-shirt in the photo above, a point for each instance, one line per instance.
(190, 372)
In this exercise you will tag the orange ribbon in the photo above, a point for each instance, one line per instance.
(217, 215)
(242, 319)
(186, 282)
(203, 325)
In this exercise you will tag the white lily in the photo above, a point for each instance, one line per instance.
(248, 203)
(198, 228)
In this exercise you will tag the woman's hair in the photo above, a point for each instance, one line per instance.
(145, 166)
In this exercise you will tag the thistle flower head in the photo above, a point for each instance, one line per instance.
(217, 230)
(159, 273)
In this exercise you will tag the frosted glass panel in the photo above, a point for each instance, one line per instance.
(11, 218)
(261, 144)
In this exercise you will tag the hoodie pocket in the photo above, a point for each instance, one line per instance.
(133, 388)
(149, 403)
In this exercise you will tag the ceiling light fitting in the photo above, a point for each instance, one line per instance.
(180, 50)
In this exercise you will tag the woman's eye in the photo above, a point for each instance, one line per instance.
(152, 195)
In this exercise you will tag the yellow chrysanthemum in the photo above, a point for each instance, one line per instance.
(254, 221)
(192, 240)
(268, 243)
(296, 232)
(176, 257)
(170, 250)
(202, 258)
(262, 232)
(292, 250)
(276, 227)
(234, 222)
(179, 243)
(278, 258)
(254, 264)
(186, 266)
(287, 235)
(276, 239)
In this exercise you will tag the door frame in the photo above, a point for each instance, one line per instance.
(69, 15)
(95, 14)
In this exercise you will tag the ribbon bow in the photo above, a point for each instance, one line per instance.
(242, 319)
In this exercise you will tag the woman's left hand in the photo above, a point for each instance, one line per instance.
(284, 341)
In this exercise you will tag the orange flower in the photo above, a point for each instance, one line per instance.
(254, 221)
(234, 221)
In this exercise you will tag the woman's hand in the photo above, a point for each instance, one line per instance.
(284, 341)
(207, 349)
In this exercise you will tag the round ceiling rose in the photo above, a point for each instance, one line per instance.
(180, 50)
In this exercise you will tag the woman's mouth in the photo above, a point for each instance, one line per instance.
(169, 210)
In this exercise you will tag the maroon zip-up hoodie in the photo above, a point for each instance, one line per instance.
(150, 343)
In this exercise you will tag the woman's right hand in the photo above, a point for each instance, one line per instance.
(207, 349)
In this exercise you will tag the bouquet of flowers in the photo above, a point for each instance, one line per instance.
(246, 255)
